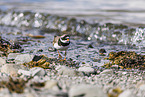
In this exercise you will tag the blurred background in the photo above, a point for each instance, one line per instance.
(129, 12)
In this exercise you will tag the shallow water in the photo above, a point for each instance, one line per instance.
(130, 12)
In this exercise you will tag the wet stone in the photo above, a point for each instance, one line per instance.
(64, 70)
(107, 71)
(12, 69)
(36, 58)
(35, 71)
(11, 57)
(52, 84)
(23, 58)
(85, 90)
(101, 51)
(51, 49)
(2, 61)
(127, 93)
(87, 69)
(142, 87)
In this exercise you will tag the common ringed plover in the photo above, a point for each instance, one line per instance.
(61, 43)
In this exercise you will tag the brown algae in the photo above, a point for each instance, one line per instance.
(126, 60)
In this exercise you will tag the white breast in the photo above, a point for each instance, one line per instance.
(60, 47)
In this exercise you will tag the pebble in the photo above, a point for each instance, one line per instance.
(2, 61)
(35, 71)
(107, 71)
(12, 69)
(64, 70)
(51, 84)
(115, 66)
(12, 56)
(85, 90)
(23, 58)
(87, 70)
(127, 93)
(4, 92)
(142, 87)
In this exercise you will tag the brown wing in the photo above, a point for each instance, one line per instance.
(55, 39)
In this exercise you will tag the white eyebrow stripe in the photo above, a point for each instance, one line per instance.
(67, 37)
(64, 41)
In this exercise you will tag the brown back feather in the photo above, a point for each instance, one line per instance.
(56, 38)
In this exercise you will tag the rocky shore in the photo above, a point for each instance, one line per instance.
(61, 79)
(99, 64)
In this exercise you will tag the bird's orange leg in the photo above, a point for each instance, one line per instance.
(65, 55)
(59, 56)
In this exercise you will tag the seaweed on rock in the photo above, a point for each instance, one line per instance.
(14, 85)
(6, 47)
(126, 60)
(48, 63)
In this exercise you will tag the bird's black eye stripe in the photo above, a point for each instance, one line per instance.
(65, 37)
(63, 44)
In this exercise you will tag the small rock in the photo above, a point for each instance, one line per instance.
(51, 84)
(90, 46)
(51, 49)
(36, 58)
(142, 87)
(29, 95)
(64, 70)
(85, 90)
(102, 52)
(4, 92)
(12, 56)
(115, 66)
(87, 70)
(2, 61)
(107, 71)
(24, 72)
(124, 73)
(23, 58)
(37, 71)
(12, 69)
(127, 93)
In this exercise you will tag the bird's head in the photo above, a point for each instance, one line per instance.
(65, 38)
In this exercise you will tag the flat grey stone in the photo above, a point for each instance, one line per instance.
(51, 84)
(87, 70)
(2, 61)
(64, 70)
(12, 56)
(36, 71)
(107, 71)
(142, 87)
(127, 93)
(23, 58)
(12, 69)
(24, 72)
(85, 90)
